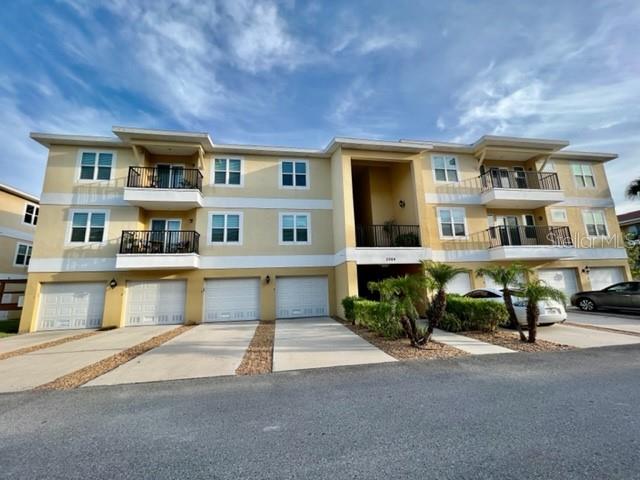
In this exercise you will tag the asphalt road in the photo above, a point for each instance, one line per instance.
(563, 415)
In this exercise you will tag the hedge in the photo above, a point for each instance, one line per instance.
(376, 316)
(465, 314)
(348, 304)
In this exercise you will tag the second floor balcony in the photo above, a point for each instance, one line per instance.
(158, 249)
(505, 188)
(387, 236)
(164, 187)
(527, 242)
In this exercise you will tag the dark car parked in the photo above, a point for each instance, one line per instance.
(622, 296)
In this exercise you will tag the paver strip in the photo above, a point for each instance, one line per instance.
(88, 373)
(468, 344)
(46, 344)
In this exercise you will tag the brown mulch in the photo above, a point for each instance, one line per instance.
(604, 329)
(512, 341)
(88, 373)
(258, 358)
(40, 346)
(401, 349)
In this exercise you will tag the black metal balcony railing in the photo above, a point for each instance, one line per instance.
(502, 178)
(524, 235)
(159, 241)
(159, 177)
(387, 236)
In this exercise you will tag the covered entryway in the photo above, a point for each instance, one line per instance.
(603, 277)
(302, 297)
(156, 303)
(564, 279)
(228, 299)
(71, 305)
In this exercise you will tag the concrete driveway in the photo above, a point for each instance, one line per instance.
(208, 350)
(302, 343)
(581, 337)
(612, 320)
(27, 340)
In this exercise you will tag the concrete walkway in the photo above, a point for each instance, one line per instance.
(468, 344)
(25, 372)
(25, 340)
(208, 350)
(303, 343)
(605, 320)
(584, 337)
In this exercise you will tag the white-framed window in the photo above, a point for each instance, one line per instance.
(558, 215)
(452, 222)
(228, 171)
(445, 168)
(583, 175)
(595, 223)
(23, 255)
(96, 165)
(294, 174)
(31, 213)
(88, 226)
(295, 228)
(225, 228)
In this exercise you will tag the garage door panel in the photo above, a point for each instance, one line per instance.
(564, 279)
(232, 299)
(156, 303)
(302, 297)
(71, 305)
(603, 277)
(460, 284)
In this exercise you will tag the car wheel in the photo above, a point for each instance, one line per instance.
(586, 305)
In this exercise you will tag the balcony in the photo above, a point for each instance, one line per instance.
(164, 187)
(158, 249)
(387, 236)
(502, 188)
(529, 242)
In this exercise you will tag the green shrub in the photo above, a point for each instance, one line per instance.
(406, 240)
(376, 316)
(474, 314)
(451, 323)
(348, 304)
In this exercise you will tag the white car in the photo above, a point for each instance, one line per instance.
(550, 311)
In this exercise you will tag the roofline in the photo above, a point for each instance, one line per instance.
(590, 156)
(19, 193)
(48, 139)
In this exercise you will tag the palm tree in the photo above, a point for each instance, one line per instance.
(633, 190)
(536, 291)
(506, 277)
(438, 275)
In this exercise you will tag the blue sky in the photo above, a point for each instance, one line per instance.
(298, 73)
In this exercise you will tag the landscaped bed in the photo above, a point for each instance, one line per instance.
(510, 340)
(9, 327)
(258, 358)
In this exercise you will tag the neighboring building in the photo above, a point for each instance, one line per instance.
(630, 224)
(167, 227)
(18, 218)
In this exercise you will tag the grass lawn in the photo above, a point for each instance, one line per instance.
(9, 327)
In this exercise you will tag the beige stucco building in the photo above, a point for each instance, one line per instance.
(169, 227)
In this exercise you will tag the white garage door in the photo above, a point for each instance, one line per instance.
(302, 297)
(71, 305)
(603, 277)
(232, 299)
(155, 303)
(489, 283)
(461, 284)
(564, 279)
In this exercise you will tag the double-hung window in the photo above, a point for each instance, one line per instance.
(88, 227)
(595, 223)
(96, 165)
(295, 228)
(452, 222)
(583, 174)
(445, 168)
(227, 171)
(225, 227)
(23, 254)
(31, 213)
(294, 174)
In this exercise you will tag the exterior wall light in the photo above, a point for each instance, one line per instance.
(267, 279)
(586, 270)
(113, 284)
(402, 204)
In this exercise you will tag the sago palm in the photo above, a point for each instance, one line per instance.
(506, 277)
(438, 276)
(537, 291)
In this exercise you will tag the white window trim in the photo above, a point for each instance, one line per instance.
(97, 151)
(227, 158)
(606, 225)
(307, 174)
(299, 214)
(36, 206)
(68, 241)
(211, 213)
(564, 213)
(466, 228)
(593, 175)
(433, 168)
(15, 256)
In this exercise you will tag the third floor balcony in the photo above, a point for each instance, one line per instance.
(505, 188)
(164, 187)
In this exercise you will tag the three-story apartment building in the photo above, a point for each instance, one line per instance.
(150, 227)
